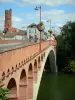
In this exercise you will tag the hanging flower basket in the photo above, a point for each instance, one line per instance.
(41, 28)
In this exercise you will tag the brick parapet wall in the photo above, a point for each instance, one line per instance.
(10, 41)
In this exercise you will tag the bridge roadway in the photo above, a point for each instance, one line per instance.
(10, 46)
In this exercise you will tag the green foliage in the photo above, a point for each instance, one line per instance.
(66, 45)
(41, 26)
(71, 67)
(3, 92)
(50, 31)
(5, 31)
(41, 23)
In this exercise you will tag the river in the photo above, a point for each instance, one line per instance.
(57, 87)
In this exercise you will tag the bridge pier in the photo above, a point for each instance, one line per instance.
(23, 92)
(30, 88)
(36, 75)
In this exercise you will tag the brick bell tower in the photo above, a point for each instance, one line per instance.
(8, 19)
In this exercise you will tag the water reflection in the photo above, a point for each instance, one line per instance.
(57, 87)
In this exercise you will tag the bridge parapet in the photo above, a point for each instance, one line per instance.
(10, 41)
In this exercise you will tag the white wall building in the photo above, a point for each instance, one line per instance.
(34, 33)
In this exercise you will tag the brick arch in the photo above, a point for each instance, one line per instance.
(35, 70)
(39, 63)
(20, 65)
(3, 75)
(41, 57)
(23, 85)
(8, 72)
(30, 81)
(12, 70)
(16, 67)
(13, 89)
(52, 60)
(50, 64)
(44, 54)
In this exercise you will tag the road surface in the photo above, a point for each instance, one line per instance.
(10, 46)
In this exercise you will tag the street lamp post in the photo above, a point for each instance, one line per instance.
(50, 23)
(40, 21)
(50, 27)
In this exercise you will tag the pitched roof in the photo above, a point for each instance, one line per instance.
(36, 25)
(32, 25)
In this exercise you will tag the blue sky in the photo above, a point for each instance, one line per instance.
(23, 13)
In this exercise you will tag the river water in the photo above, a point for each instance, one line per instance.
(57, 87)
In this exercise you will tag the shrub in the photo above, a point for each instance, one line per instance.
(3, 92)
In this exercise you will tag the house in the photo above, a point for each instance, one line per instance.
(33, 32)
(21, 36)
(14, 36)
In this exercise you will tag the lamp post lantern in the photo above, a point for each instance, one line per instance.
(40, 22)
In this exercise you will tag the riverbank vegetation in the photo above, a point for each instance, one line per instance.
(3, 92)
(66, 48)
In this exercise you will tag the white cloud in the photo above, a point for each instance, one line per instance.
(58, 18)
(16, 19)
(50, 2)
(6, 1)
(59, 24)
(1, 17)
(1, 21)
(45, 2)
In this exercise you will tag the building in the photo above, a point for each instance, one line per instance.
(33, 32)
(14, 36)
(8, 21)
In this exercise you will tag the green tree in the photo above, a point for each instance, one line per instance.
(61, 53)
(50, 32)
(71, 67)
(3, 92)
(66, 45)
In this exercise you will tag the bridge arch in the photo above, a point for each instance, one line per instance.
(41, 57)
(35, 70)
(50, 64)
(13, 89)
(30, 81)
(23, 85)
(39, 63)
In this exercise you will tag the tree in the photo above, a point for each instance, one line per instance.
(61, 54)
(50, 31)
(71, 67)
(68, 34)
(5, 31)
(3, 92)
(66, 45)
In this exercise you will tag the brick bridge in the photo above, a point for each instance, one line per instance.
(21, 69)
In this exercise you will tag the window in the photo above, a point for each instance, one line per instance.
(35, 30)
(29, 30)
